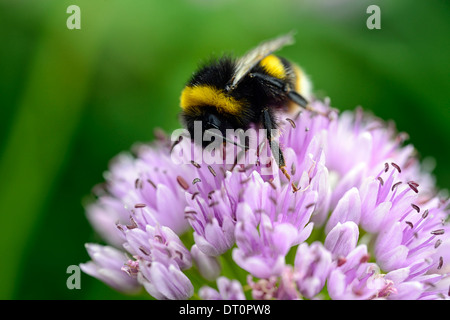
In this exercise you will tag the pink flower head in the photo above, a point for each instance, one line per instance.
(365, 223)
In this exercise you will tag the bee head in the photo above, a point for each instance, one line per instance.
(209, 119)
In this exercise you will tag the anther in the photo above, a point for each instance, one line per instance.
(140, 205)
(341, 260)
(425, 214)
(381, 180)
(386, 167)
(291, 122)
(437, 243)
(438, 232)
(182, 183)
(175, 143)
(413, 187)
(152, 183)
(413, 183)
(310, 205)
(395, 185)
(212, 204)
(196, 180)
(180, 254)
(194, 195)
(410, 224)
(133, 224)
(212, 171)
(364, 258)
(396, 166)
(441, 263)
(195, 164)
(415, 207)
(144, 250)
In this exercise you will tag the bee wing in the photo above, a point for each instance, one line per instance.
(251, 58)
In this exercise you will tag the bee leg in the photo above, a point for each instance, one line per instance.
(299, 100)
(284, 89)
(269, 125)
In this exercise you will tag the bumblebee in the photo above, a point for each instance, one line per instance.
(231, 93)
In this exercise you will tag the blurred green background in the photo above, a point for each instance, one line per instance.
(72, 99)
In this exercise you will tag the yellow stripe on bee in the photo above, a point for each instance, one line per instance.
(273, 66)
(204, 95)
(298, 78)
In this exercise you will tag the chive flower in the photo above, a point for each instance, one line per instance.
(366, 223)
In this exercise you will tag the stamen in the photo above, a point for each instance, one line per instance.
(415, 207)
(182, 183)
(437, 243)
(414, 183)
(386, 167)
(144, 250)
(438, 232)
(291, 122)
(409, 223)
(341, 261)
(395, 185)
(364, 258)
(196, 180)
(159, 238)
(441, 263)
(194, 195)
(175, 143)
(180, 254)
(425, 214)
(140, 205)
(396, 166)
(310, 205)
(212, 204)
(413, 187)
(133, 224)
(152, 183)
(381, 180)
(212, 171)
(195, 164)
